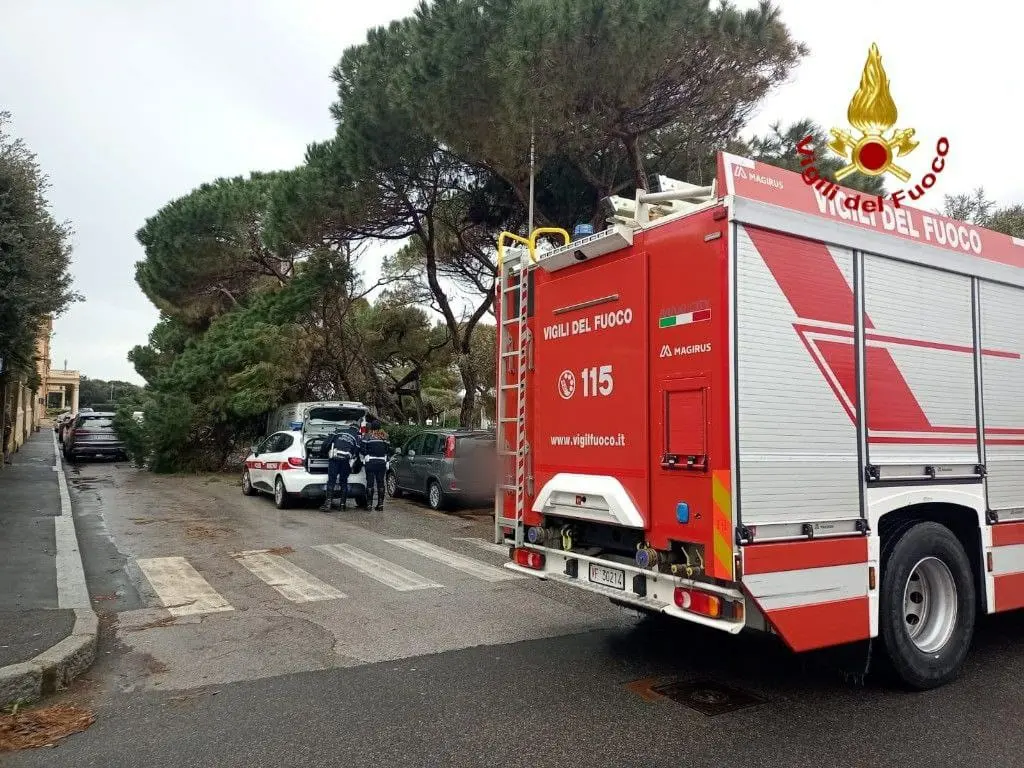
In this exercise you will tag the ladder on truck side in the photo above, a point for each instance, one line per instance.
(514, 266)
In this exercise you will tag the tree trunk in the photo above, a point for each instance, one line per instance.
(469, 382)
(636, 161)
(417, 400)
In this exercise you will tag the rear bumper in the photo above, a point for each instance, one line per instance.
(318, 490)
(106, 449)
(660, 587)
(311, 485)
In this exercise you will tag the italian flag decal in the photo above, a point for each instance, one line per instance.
(670, 321)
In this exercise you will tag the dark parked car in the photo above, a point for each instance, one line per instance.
(92, 435)
(445, 465)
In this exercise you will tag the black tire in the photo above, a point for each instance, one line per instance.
(247, 486)
(435, 496)
(930, 661)
(363, 501)
(282, 499)
(391, 486)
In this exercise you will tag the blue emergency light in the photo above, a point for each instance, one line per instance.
(682, 512)
(582, 230)
(296, 425)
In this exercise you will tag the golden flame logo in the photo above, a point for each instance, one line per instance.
(873, 113)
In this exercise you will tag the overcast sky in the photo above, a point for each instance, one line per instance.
(130, 104)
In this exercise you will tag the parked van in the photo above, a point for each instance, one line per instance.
(292, 415)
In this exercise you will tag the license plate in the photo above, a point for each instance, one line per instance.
(610, 577)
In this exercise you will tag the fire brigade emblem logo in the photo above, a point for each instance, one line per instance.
(567, 384)
(873, 113)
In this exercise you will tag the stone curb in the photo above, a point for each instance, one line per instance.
(55, 668)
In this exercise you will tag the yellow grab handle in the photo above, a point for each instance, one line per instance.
(548, 231)
(512, 236)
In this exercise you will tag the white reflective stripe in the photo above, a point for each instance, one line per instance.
(459, 562)
(786, 589)
(287, 578)
(387, 573)
(180, 587)
(490, 546)
(1008, 559)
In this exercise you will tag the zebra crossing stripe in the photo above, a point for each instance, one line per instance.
(490, 546)
(287, 578)
(387, 573)
(180, 588)
(454, 560)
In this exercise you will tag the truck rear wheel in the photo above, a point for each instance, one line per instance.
(926, 605)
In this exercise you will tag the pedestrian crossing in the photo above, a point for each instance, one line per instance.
(377, 568)
(184, 591)
(180, 587)
(287, 578)
(459, 562)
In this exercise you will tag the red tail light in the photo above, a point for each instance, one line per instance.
(362, 429)
(292, 463)
(449, 447)
(698, 602)
(527, 558)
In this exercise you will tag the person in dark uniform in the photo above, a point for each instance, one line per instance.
(376, 450)
(342, 448)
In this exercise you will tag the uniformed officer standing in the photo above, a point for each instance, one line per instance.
(376, 451)
(342, 447)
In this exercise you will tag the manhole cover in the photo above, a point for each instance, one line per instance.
(707, 697)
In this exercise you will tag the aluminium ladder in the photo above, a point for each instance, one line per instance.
(513, 313)
(513, 297)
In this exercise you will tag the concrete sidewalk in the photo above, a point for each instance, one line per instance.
(47, 625)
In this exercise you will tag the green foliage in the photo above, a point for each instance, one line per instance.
(599, 78)
(35, 253)
(167, 340)
(778, 147)
(977, 208)
(93, 392)
(135, 436)
(207, 253)
(216, 389)
(399, 434)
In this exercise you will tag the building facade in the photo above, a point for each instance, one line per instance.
(25, 398)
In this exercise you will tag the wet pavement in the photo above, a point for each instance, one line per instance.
(30, 620)
(295, 638)
(321, 591)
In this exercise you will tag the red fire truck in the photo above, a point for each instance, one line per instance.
(757, 405)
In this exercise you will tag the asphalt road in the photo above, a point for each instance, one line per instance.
(464, 672)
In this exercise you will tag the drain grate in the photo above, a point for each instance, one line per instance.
(707, 697)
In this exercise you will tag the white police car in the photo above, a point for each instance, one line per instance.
(287, 465)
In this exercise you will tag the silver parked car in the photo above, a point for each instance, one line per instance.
(445, 465)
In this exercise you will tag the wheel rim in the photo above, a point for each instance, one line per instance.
(435, 495)
(278, 491)
(930, 605)
(391, 484)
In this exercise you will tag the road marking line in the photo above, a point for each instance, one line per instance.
(490, 546)
(180, 587)
(459, 562)
(387, 573)
(287, 578)
(72, 591)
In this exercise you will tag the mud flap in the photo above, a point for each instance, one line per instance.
(853, 661)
